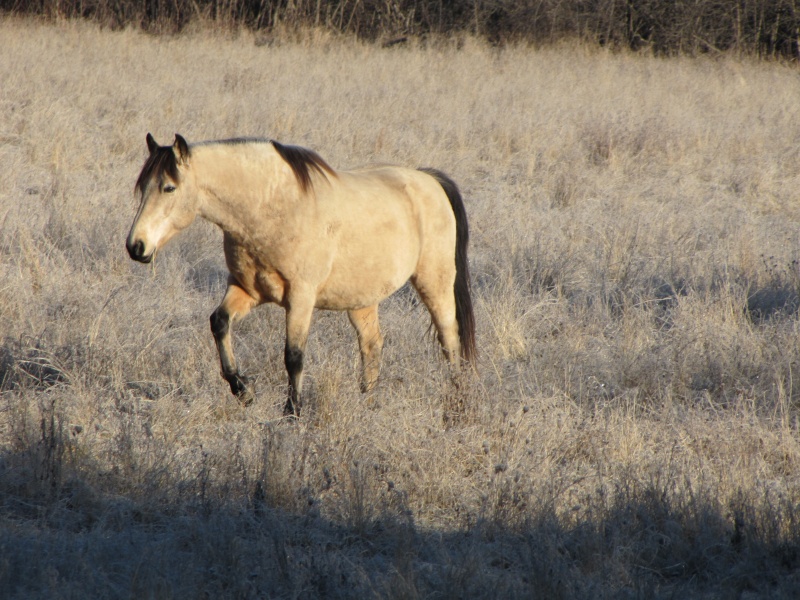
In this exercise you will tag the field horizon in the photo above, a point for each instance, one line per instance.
(764, 28)
(632, 430)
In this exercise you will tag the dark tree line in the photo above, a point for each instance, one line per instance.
(762, 27)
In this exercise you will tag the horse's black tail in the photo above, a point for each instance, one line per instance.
(464, 314)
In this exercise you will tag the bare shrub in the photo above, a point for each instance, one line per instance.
(762, 27)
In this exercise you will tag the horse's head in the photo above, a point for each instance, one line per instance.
(169, 198)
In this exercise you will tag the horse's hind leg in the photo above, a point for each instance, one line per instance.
(438, 295)
(436, 291)
(370, 342)
(235, 305)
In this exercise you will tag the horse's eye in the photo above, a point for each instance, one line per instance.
(168, 189)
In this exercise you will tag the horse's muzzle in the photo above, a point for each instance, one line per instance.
(136, 252)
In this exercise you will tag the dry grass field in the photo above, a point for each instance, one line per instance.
(633, 427)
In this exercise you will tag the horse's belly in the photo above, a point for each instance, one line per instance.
(362, 284)
(372, 258)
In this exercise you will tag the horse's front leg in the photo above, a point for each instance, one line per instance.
(298, 320)
(235, 305)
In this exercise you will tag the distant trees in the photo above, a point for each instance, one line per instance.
(762, 27)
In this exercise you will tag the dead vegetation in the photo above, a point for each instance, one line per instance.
(632, 431)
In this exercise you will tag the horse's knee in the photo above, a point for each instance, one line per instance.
(293, 359)
(220, 323)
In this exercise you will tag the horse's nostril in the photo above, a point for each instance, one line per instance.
(136, 250)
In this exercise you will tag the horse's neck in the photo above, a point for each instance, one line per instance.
(241, 190)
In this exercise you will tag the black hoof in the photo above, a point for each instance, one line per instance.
(240, 388)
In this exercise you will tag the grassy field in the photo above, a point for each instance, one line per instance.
(632, 431)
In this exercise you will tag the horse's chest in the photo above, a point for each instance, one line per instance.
(261, 281)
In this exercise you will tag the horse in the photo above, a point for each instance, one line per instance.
(304, 236)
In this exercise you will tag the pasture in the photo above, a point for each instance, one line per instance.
(632, 430)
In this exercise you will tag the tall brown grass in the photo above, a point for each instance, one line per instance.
(633, 427)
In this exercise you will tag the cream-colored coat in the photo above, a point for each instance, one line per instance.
(343, 241)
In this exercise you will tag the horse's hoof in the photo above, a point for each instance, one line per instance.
(246, 398)
(240, 388)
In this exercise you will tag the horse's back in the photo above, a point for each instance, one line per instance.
(400, 206)
(398, 192)
(382, 222)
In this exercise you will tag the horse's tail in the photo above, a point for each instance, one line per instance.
(461, 289)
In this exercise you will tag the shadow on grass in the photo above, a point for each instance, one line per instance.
(778, 300)
(68, 530)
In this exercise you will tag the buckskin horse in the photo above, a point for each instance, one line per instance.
(302, 235)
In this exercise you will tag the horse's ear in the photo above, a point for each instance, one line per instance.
(181, 148)
(152, 145)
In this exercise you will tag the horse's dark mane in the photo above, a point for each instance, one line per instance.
(235, 141)
(160, 162)
(303, 161)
